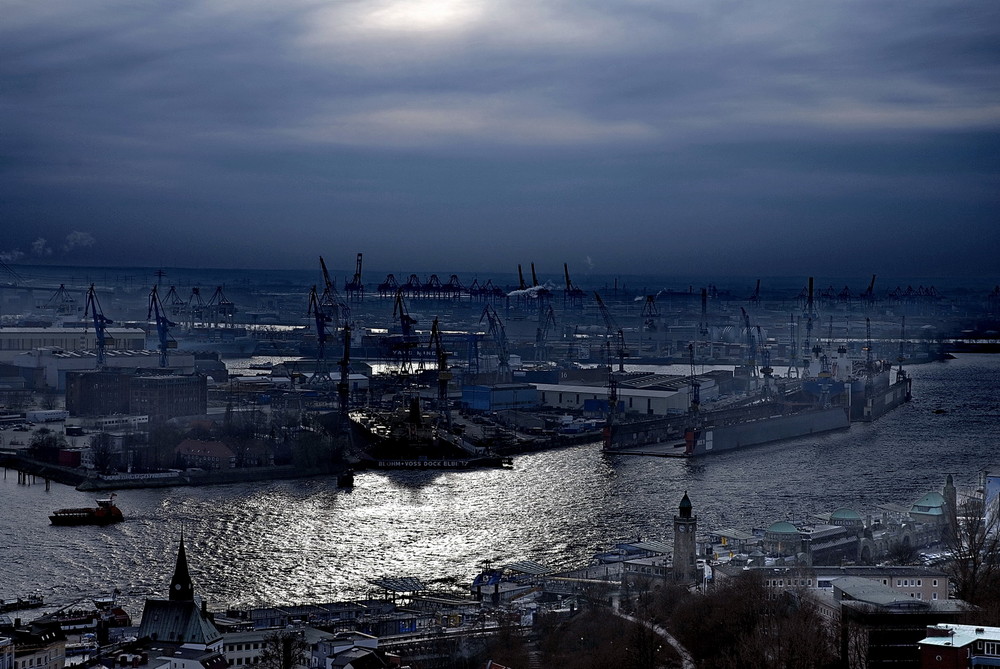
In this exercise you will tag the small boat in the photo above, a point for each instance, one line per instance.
(29, 602)
(105, 513)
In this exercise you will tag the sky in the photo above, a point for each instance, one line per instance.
(713, 137)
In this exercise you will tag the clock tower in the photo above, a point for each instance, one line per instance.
(685, 527)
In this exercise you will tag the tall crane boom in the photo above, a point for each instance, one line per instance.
(355, 288)
(101, 323)
(443, 372)
(499, 335)
(163, 325)
(321, 373)
(546, 319)
(614, 332)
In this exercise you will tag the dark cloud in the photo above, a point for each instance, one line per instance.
(786, 136)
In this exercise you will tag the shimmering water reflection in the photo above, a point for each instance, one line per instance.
(294, 541)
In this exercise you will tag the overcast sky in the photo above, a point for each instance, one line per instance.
(837, 137)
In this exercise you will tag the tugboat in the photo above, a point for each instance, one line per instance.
(105, 513)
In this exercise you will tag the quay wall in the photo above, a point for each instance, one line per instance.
(87, 481)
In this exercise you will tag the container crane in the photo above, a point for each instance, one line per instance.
(195, 307)
(101, 323)
(542, 293)
(355, 289)
(174, 303)
(163, 325)
(613, 332)
(222, 308)
(499, 335)
(572, 294)
(754, 298)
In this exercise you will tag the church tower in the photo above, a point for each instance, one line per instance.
(181, 587)
(685, 527)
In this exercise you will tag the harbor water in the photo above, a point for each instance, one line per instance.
(305, 540)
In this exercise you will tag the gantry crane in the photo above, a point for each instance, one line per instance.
(321, 373)
(354, 288)
(195, 307)
(163, 325)
(443, 372)
(695, 390)
(402, 348)
(751, 346)
(344, 385)
(546, 319)
(613, 332)
(499, 335)
(101, 323)
(330, 299)
(222, 308)
(572, 294)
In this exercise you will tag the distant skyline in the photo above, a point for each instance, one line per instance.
(668, 138)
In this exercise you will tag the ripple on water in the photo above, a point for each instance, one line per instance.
(292, 541)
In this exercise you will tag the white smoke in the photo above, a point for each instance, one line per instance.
(77, 239)
(530, 293)
(40, 248)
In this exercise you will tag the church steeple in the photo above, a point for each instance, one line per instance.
(181, 588)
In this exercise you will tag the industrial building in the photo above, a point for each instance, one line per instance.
(160, 396)
(14, 340)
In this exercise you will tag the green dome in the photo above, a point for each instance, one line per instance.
(783, 527)
(931, 499)
(845, 514)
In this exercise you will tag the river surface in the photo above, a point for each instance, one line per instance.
(305, 540)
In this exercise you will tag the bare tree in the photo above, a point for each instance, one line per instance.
(285, 649)
(974, 541)
(103, 452)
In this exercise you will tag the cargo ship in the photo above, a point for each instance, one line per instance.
(819, 405)
(105, 513)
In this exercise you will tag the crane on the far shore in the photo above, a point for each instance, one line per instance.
(101, 323)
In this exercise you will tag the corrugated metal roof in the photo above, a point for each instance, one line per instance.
(399, 583)
(527, 567)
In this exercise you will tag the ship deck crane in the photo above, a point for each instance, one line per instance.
(613, 332)
(101, 323)
(499, 335)
(163, 325)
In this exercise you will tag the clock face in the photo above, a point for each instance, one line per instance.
(177, 586)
